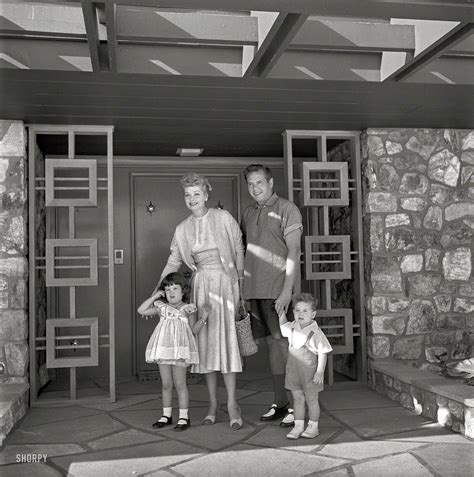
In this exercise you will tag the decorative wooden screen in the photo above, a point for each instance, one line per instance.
(319, 186)
(66, 263)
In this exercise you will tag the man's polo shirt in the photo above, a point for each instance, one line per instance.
(265, 228)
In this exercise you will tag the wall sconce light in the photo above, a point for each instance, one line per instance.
(189, 151)
(150, 208)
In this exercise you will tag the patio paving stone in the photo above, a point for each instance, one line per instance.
(127, 461)
(276, 438)
(245, 460)
(157, 405)
(215, 437)
(388, 420)
(362, 399)
(44, 415)
(29, 470)
(366, 449)
(337, 473)
(9, 452)
(124, 438)
(449, 459)
(395, 466)
(75, 430)
(122, 402)
(430, 433)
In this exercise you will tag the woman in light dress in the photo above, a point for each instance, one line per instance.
(210, 243)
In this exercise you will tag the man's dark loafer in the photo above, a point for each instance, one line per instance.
(274, 413)
(159, 424)
(183, 425)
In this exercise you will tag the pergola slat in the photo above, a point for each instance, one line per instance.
(444, 10)
(433, 52)
(90, 21)
(111, 26)
(153, 26)
(321, 34)
(275, 43)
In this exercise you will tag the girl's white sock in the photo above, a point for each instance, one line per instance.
(183, 414)
(167, 411)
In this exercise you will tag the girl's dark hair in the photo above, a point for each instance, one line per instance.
(305, 298)
(177, 278)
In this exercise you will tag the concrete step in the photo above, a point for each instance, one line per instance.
(13, 406)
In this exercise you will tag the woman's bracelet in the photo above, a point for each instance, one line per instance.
(241, 278)
(202, 321)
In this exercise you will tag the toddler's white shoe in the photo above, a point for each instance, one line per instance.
(311, 431)
(297, 430)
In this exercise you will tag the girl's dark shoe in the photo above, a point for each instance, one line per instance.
(182, 424)
(162, 422)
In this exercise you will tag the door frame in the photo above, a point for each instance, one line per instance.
(235, 176)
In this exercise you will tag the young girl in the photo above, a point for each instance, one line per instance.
(172, 345)
(307, 358)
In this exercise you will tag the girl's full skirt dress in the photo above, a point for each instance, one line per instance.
(172, 342)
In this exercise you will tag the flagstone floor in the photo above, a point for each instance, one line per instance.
(362, 434)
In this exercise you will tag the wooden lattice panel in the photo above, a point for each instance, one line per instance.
(66, 347)
(337, 326)
(71, 262)
(325, 183)
(71, 182)
(327, 257)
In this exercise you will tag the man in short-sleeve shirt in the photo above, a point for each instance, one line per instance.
(272, 229)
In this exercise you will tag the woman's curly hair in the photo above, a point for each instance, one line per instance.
(193, 179)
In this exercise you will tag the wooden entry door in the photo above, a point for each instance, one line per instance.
(152, 234)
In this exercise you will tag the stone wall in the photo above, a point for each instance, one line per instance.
(419, 221)
(13, 253)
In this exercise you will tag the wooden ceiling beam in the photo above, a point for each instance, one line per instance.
(321, 34)
(152, 26)
(276, 41)
(111, 28)
(444, 10)
(90, 20)
(433, 52)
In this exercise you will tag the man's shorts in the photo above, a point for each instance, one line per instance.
(265, 320)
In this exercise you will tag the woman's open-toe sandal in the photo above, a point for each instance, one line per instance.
(182, 424)
(235, 418)
(162, 422)
(210, 419)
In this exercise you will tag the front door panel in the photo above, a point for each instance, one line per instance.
(153, 232)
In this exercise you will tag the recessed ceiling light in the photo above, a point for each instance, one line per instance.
(189, 151)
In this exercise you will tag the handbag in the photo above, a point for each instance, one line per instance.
(247, 344)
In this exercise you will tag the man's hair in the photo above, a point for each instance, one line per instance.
(305, 298)
(193, 179)
(176, 278)
(256, 168)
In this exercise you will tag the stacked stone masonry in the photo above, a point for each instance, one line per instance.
(450, 404)
(13, 276)
(419, 219)
(13, 253)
